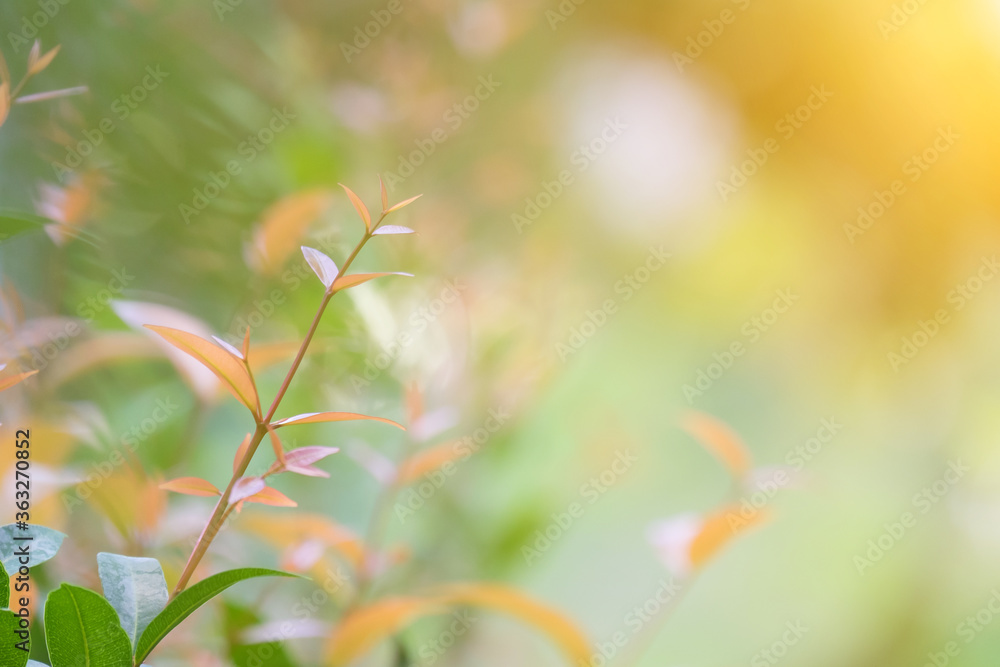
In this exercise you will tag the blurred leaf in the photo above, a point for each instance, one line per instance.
(246, 487)
(9, 653)
(720, 440)
(718, 530)
(188, 601)
(37, 65)
(315, 417)
(45, 544)
(384, 193)
(322, 266)
(273, 497)
(4, 102)
(233, 374)
(350, 281)
(83, 630)
(359, 206)
(361, 630)
(281, 228)
(10, 381)
(281, 530)
(403, 203)
(136, 589)
(191, 486)
(12, 221)
(241, 451)
(393, 229)
(421, 463)
(510, 601)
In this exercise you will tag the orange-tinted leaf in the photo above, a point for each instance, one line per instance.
(315, 417)
(719, 529)
(4, 101)
(553, 623)
(281, 228)
(384, 193)
(281, 530)
(43, 62)
(246, 487)
(8, 382)
(241, 452)
(393, 229)
(427, 461)
(720, 440)
(262, 356)
(279, 449)
(361, 630)
(100, 351)
(273, 497)
(228, 369)
(403, 203)
(191, 486)
(359, 206)
(350, 281)
(321, 264)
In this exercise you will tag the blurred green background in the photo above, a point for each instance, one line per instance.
(842, 154)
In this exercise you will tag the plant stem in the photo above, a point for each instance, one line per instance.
(222, 507)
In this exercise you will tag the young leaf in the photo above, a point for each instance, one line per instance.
(272, 497)
(282, 228)
(428, 460)
(560, 629)
(36, 50)
(359, 206)
(9, 653)
(246, 344)
(189, 601)
(322, 266)
(718, 530)
(241, 451)
(4, 101)
(45, 543)
(246, 487)
(314, 417)
(384, 193)
(720, 440)
(363, 629)
(82, 630)
(392, 229)
(191, 486)
(229, 348)
(301, 460)
(403, 203)
(136, 589)
(350, 281)
(40, 64)
(8, 382)
(233, 374)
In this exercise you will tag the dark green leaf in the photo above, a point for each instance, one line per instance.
(190, 600)
(4, 588)
(82, 630)
(135, 587)
(9, 653)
